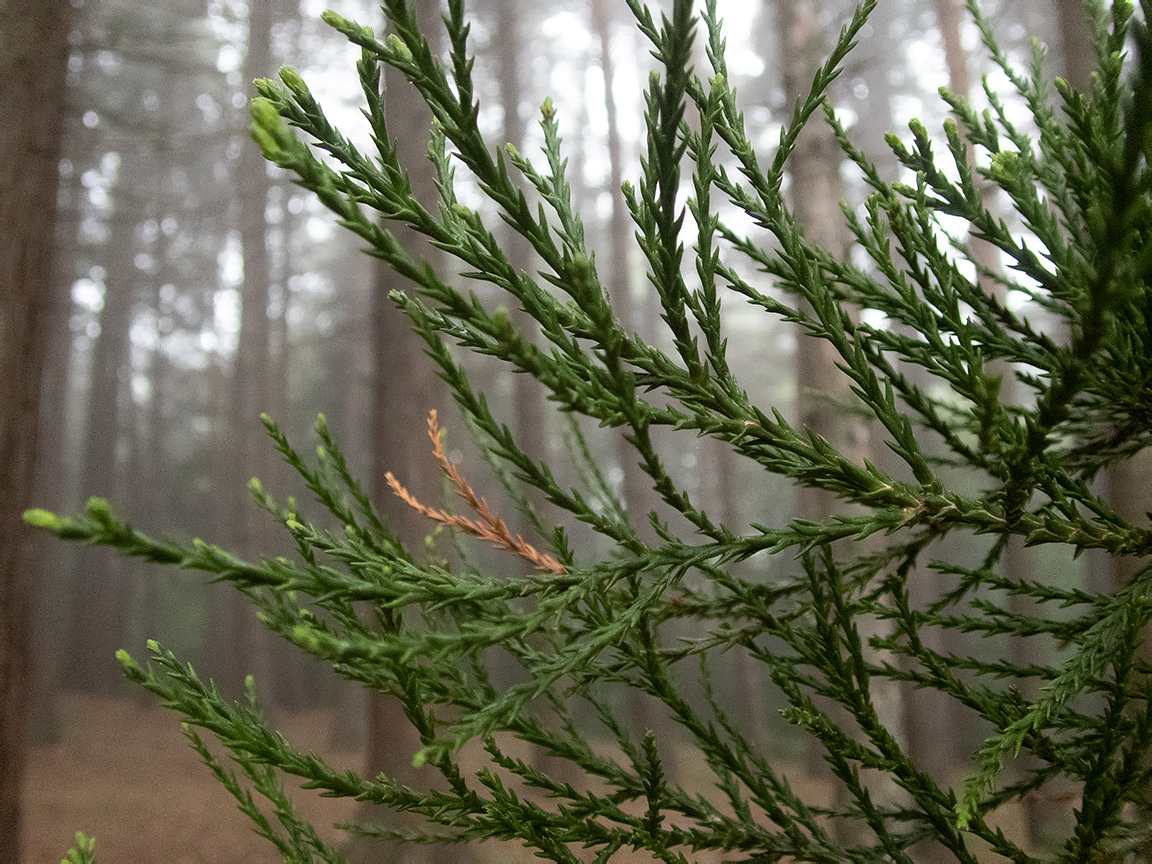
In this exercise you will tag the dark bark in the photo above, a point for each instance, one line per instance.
(637, 494)
(531, 418)
(52, 560)
(99, 578)
(243, 641)
(1077, 54)
(816, 190)
(405, 389)
(1016, 562)
(33, 60)
(814, 195)
(929, 715)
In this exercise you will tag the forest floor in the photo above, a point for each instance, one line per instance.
(123, 773)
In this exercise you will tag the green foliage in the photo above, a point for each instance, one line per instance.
(84, 852)
(930, 377)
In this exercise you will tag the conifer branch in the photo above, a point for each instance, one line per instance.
(926, 364)
(487, 526)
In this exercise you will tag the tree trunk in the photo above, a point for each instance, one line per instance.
(815, 192)
(637, 494)
(929, 714)
(53, 559)
(405, 388)
(33, 60)
(1077, 53)
(97, 609)
(531, 419)
(1044, 818)
(246, 640)
(821, 389)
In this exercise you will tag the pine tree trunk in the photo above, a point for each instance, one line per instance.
(816, 190)
(33, 60)
(929, 714)
(53, 561)
(405, 388)
(531, 419)
(815, 194)
(636, 492)
(246, 640)
(1077, 54)
(821, 388)
(1017, 562)
(99, 581)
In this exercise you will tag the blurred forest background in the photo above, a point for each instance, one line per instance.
(193, 287)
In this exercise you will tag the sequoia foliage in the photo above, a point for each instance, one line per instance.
(925, 332)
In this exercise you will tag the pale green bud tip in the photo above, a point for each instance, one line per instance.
(293, 525)
(42, 519)
(132, 670)
(397, 45)
(321, 423)
(249, 682)
(98, 509)
(321, 453)
(334, 20)
(305, 637)
(1004, 164)
(153, 646)
(264, 112)
(83, 844)
(255, 486)
(293, 82)
(420, 758)
(265, 142)
(548, 109)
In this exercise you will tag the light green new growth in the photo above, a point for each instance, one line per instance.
(84, 852)
(926, 365)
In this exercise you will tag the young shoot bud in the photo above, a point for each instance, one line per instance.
(43, 519)
(294, 82)
(399, 48)
(98, 509)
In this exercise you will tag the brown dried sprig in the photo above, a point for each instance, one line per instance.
(487, 526)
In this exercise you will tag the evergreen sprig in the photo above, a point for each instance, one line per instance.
(972, 463)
